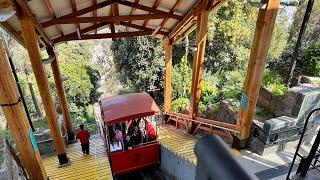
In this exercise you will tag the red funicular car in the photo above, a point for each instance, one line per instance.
(130, 131)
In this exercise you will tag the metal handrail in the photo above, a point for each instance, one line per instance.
(300, 141)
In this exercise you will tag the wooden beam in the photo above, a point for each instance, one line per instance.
(191, 16)
(94, 2)
(5, 4)
(29, 34)
(138, 27)
(81, 11)
(155, 6)
(110, 19)
(149, 9)
(115, 11)
(168, 75)
(82, 31)
(104, 36)
(173, 9)
(17, 120)
(258, 56)
(112, 25)
(74, 10)
(61, 94)
(23, 9)
(198, 60)
(18, 36)
(132, 11)
(53, 14)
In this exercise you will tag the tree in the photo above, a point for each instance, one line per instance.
(139, 61)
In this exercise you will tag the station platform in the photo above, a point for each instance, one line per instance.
(178, 142)
(93, 166)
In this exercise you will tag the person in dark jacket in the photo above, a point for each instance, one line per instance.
(83, 135)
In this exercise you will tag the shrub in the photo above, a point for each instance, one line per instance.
(274, 83)
(311, 60)
(180, 103)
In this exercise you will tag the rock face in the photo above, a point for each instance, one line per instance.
(11, 168)
(291, 110)
(226, 112)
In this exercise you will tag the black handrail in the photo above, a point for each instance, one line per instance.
(310, 156)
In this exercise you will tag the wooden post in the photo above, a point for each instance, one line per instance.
(32, 45)
(259, 52)
(60, 91)
(198, 60)
(168, 75)
(16, 117)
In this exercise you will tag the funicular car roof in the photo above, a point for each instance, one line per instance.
(125, 107)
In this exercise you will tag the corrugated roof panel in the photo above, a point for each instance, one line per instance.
(14, 23)
(52, 32)
(84, 25)
(124, 10)
(170, 24)
(39, 8)
(186, 5)
(104, 11)
(149, 3)
(68, 28)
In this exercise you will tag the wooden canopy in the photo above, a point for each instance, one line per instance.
(57, 21)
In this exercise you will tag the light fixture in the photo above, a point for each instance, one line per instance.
(7, 12)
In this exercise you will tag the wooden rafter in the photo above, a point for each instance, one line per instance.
(155, 6)
(132, 11)
(115, 11)
(82, 31)
(148, 9)
(11, 31)
(53, 14)
(82, 11)
(135, 26)
(94, 2)
(5, 4)
(25, 10)
(112, 26)
(104, 36)
(111, 19)
(74, 10)
(173, 9)
(191, 16)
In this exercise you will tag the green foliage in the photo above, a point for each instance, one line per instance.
(180, 104)
(5, 133)
(231, 84)
(318, 83)
(181, 80)
(311, 60)
(40, 123)
(139, 62)
(274, 83)
(126, 91)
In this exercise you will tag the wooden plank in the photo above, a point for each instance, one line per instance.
(198, 60)
(104, 36)
(155, 6)
(18, 121)
(94, 2)
(74, 10)
(32, 46)
(82, 31)
(135, 26)
(61, 94)
(81, 12)
(115, 11)
(132, 12)
(168, 76)
(110, 19)
(149, 9)
(258, 56)
(5, 4)
(173, 9)
(53, 14)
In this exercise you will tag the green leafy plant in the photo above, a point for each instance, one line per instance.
(274, 83)
(311, 60)
(180, 103)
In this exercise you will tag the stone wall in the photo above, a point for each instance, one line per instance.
(277, 133)
(225, 113)
(11, 168)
